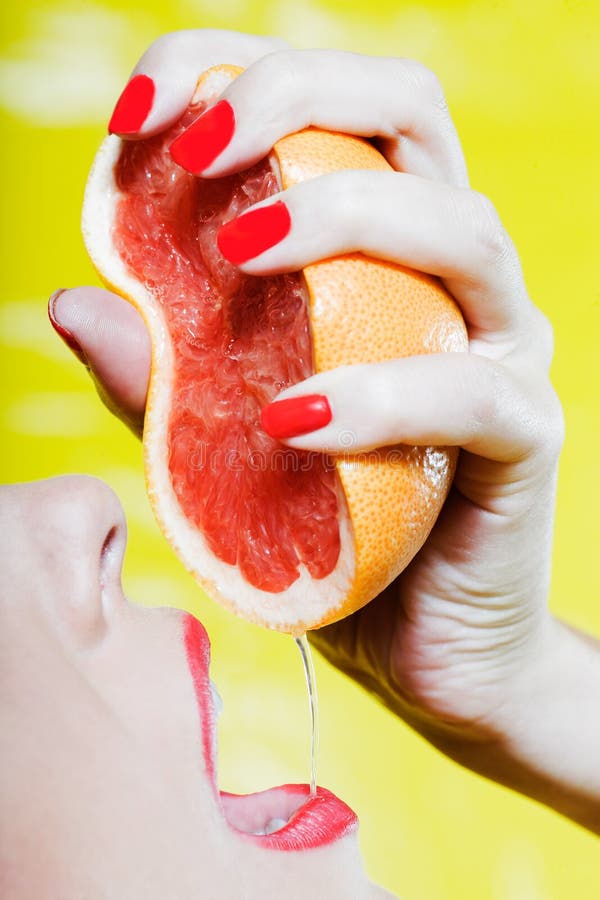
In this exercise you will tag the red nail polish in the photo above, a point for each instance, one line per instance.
(201, 143)
(296, 416)
(254, 232)
(63, 332)
(133, 106)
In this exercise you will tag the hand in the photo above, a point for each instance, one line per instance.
(462, 645)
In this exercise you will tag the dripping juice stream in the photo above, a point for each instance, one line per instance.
(311, 684)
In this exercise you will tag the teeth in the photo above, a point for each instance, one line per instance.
(216, 698)
(271, 826)
(274, 825)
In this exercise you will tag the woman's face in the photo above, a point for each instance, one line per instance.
(107, 783)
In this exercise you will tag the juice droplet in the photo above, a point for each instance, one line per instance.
(311, 684)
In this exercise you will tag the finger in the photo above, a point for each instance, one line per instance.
(397, 100)
(164, 80)
(436, 228)
(447, 399)
(109, 336)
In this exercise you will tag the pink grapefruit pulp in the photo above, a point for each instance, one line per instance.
(239, 340)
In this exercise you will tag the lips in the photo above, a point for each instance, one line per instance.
(306, 821)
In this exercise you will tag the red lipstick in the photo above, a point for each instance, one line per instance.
(314, 821)
(197, 648)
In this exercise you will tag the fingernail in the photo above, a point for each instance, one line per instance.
(64, 333)
(133, 106)
(254, 232)
(201, 143)
(296, 416)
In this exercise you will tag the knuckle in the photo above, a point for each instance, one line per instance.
(279, 69)
(492, 240)
(551, 433)
(341, 197)
(427, 85)
(487, 384)
(351, 186)
(279, 81)
(542, 334)
(527, 412)
(541, 425)
(424, 80)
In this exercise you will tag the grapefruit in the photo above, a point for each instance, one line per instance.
(291, 540)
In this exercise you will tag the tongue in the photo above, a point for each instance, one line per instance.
(289, 817)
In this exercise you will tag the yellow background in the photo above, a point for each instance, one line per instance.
(523, 83)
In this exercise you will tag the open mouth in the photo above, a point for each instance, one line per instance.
(287, 817)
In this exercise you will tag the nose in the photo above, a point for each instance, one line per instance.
(75, 527)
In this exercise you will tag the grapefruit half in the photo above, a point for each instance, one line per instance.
(288, 539)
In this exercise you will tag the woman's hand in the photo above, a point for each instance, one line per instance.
(461, 645)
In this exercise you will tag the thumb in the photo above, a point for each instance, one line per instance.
(110, 338)
(444, 399)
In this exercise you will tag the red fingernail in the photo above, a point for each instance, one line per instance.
(133, 106)
(254, 232)
(71, 342)
(198, 145)
(296, 416)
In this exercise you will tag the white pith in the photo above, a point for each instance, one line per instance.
(307, 602)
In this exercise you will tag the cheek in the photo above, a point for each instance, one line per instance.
(50, 717)
(46, 591)
(141, 670)
(67, 593)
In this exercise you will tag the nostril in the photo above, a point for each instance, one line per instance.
(111, 555)
(108, 541)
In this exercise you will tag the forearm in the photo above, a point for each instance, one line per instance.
(547, 742)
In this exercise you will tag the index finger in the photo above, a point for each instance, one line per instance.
(164, 80)
(398, 101)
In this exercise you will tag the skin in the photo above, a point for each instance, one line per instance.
(103, 784)
(462, 645)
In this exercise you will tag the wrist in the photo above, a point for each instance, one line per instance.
(544, 742)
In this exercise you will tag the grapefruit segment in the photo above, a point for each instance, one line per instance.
(286, 538)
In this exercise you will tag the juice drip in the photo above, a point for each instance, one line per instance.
(311, 684)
